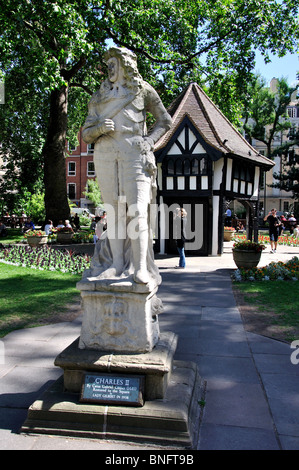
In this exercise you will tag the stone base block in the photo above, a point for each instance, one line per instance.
(172, 421)
(155, 365)
(119, 315)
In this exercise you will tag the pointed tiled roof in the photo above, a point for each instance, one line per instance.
(213, 126)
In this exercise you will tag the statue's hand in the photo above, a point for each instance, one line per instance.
(106, 127)
(149, 143)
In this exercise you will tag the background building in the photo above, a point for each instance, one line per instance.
(79, 168)
(275, 197)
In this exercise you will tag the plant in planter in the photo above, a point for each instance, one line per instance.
(228, 233)
(247, 254)
(64, 234)
(36, 237)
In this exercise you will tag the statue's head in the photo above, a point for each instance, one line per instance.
(128, 61)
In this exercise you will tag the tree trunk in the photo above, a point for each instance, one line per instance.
(56, 201)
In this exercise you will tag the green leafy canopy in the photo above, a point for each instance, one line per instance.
(52, 49)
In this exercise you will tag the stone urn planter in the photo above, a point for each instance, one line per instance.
(64, 238)
(35, 240)
(228, 235)
(246, 259)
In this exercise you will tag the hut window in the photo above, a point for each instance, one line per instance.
(179, 167)
(242, 173)
(170, 167)
(194, 167)
(203, 166)
(236, 172)
(187, 167)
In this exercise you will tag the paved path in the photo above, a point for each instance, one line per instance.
(252, 399)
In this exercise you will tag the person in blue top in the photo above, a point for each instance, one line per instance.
(28, 225)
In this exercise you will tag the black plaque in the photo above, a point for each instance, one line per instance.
(113, 389)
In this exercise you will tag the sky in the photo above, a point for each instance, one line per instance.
(287, 67)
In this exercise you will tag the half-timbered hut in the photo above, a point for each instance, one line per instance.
(203, 164)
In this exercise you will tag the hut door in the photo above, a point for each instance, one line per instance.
(197, 229)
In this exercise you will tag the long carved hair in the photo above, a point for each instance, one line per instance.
(128, 62)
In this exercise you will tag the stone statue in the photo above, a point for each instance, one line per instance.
(125, 167)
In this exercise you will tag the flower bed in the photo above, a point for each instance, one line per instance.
(45, 258)
(83, 237)
(265, 239)
(279, 271)
(76, 237)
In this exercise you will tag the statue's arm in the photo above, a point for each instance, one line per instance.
(155, 106)
(94, 127)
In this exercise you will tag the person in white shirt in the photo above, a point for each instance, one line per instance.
(296, 231)
(48, 227)
(67, 224)
(60, 224)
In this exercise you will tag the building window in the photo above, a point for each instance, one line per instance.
(90, 148)
(292, 133)
(292, 111)
(90, 169)
(71, 169)
(71, 147)
(71, 191)
(243, 178)
(203, 166)
(187, 167)
(178, 167)
(286, 206)
(170, 167)
(194, 167)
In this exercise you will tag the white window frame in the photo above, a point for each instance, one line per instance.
(292, 111)
(88, 172)
(71, 172)
(90, 148)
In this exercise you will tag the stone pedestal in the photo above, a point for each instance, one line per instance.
(120, 336)
(171, 413)
(156, 365)
(172, 421)
(119, 315)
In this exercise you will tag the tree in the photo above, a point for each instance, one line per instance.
(93, 193)
(288, 178)
(62, 45)
(268, 113)
(265, 116)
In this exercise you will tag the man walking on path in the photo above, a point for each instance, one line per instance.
(274, 224)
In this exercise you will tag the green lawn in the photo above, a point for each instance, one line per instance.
(14, 235)
(280, 298)
(30, 297)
